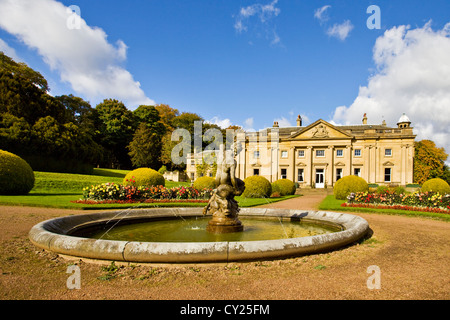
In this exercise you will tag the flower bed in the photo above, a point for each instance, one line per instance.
(419, 201)
(117, 193)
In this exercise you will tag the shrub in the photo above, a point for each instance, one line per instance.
(436, 185)
(257, 187)
(16, 175)
(284, 187)
(275, 194)
(204, 183)
(162, 170)
(144, 177)
(382, 189)
(349, 184)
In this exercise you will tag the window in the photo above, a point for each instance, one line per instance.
(283, 173)
(339, 153)
(284, 154)
(388, 152)
(300, 175)
(301, 153)
(338, 174)
(357, 152)
(256, 172)
(255, 154)
(357, 172)
(387, 174)
(320, 153)
(192, 176)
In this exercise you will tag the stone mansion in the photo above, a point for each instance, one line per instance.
(320, 154)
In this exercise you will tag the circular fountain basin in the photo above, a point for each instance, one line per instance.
(69, 236)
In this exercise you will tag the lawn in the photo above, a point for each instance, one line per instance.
(330, 203)
(57, 190)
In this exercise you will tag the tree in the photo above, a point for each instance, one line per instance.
(167, 114)
(145, 148)
(116, 128)
(77, 110)
(429, 161)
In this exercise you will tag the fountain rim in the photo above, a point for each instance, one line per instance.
(55, 235)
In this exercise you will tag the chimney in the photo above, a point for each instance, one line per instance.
(275, 124)
(365, 118)
(299, 121)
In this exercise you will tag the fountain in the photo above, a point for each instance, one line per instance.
(222, 205)
(224, 238)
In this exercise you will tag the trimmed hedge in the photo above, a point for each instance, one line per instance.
(16, 175)
(204, 182)
(257, 187)
(436, 185)
(349, 184)
(284, 187)
(144, 177)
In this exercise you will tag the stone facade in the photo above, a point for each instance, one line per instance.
(319, 154)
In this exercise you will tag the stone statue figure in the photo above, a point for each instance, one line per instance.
(222, 205)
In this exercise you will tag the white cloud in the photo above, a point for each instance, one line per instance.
(340, 31)
(262, 14)
(222, 123)
(83, 57)
(248, 124)
(283, 122)
(10, 52)
(320, 13)
(413, 77)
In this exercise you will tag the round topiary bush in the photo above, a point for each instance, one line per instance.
(144, 177)
(284, 187)
(349, 184)
(257, 187)
(204, 183)
(16, 175)
(436, 185)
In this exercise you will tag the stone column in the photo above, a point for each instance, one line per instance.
(309, 166)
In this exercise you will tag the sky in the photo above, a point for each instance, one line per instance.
(246, 62)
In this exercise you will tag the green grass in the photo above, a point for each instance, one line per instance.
(331, 204)
(57, 190)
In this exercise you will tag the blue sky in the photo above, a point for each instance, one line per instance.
(240, 62)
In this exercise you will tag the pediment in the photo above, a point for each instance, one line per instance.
(388, 164)
(339, 164)
(320, 130)
(301, 164)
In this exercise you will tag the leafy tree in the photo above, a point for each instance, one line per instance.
(116, 128)
(77, 110)
(23, 92)
(145, 147)
(167, 114)
(429, 161)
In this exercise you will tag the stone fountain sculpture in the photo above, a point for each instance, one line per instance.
(222, 205)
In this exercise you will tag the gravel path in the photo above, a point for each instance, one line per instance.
(412, 255)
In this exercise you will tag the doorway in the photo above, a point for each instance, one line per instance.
(320, 178)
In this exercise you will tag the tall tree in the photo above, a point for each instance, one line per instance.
(116, 127)
(167, 114)
(145, 148)
(429, 161)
